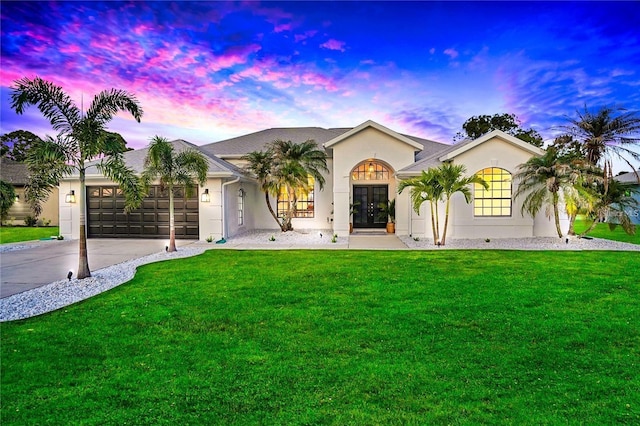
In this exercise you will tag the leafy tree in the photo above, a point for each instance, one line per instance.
(16, 144)
(7, 198)
(451, 179)
(81, 138)
(542, 179)
(477, 126)
(173, 169)
(286, 166)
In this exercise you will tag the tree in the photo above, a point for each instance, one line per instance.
(605, 134)
(16, 144)
(7, 198)
(612, 204)
(477, 126)
(284, 168)
(181, 169)
(451, 179)
(425, 188)
(542, 179)
(81, 138)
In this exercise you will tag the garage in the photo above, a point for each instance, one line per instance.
(107, 219)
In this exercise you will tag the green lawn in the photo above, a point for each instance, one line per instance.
(340, 338)
(14, 234)
(602, 231)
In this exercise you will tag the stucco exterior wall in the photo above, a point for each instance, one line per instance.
(368, 144)
(21, 209)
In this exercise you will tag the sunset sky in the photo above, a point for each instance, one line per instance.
(206, 71)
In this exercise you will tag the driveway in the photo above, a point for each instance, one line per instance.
(50, 261)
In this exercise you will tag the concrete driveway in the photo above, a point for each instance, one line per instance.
(50, 261)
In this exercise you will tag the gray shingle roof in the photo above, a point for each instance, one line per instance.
(135, 159)
(432, 160)
(13, 172)
(242, 145)
(628, 178)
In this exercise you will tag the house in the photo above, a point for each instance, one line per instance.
(17, 174)
(365, 164)
(631, 179)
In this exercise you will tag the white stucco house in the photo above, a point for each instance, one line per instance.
(365, 165)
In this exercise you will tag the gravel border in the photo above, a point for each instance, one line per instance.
(63, 293)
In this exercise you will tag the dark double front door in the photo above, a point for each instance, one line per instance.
(368, 199)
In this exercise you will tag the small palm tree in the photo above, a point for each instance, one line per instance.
(451, 179)
(425, 188)
(181, 169)
(285, 166)
(542, 179)
(82, 138)
(612, 204)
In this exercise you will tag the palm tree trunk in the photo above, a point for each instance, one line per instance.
(556, 214)
(273, 213)
(437, 222)
(446, 221)
(83, 256)
(172, 223)
(590, 228)
(433, 224)
(572, 221)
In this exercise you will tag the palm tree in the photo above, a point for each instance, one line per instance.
(173, 170)
(542, 179)
(606, 133)
(425, 188)
(259, 163)
(285, 166)
(612, 203)
(451, 179)
(81, 138)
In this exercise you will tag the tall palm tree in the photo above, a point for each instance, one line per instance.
(285, 166)
(81, 138)
(425, 188)
(542, 179)
(451, 179)
(181, 169)
(606, 133)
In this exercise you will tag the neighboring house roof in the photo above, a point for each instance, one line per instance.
(17, 174)
(630, 178)
(452, 151)
(135, 160)
(242, 145)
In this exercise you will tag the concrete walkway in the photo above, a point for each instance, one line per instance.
(375, 241)
(49, 261)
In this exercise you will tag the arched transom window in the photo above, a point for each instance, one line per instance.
(495, 201)
(370, 170)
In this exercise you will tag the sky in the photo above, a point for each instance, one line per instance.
(208, 71)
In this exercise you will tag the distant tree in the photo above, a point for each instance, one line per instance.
(7, 198)
(16, 144)
(81, 139)
(479, 125)
(173, 169)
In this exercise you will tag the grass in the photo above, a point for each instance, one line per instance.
(340, 338)
(15, 234)
(602, 231)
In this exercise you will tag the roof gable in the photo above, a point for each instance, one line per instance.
(372, 124)
(458, 149)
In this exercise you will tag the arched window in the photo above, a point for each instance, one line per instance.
(370, 170)
(495, 201)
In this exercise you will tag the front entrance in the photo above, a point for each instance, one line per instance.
(368, 199)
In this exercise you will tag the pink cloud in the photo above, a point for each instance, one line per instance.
(333, 44)
(451, 52)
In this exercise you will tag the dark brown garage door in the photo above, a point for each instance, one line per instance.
(107, 218)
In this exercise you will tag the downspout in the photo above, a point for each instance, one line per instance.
(225, 231)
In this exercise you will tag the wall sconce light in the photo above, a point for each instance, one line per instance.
(17, 198)
(70, 197)
(371, 169)
(205, 198)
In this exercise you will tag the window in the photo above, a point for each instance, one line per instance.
(241, 207)
(495, 201)
(304, 200)
(370, 170)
